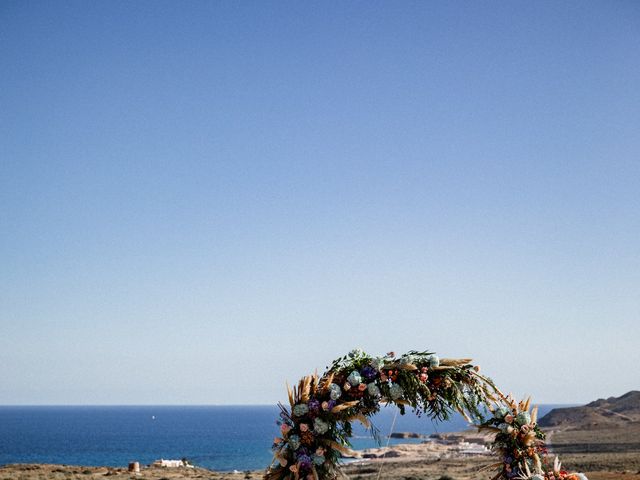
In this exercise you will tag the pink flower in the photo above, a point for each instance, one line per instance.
(293, 468)
(525, 428)
(508, 418)
(423, 377)
(304, 427)
(346, 387)
(362, 387)
(424, 369)
(284, 428)
(325, 406)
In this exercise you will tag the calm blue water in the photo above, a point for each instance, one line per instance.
(216, 437)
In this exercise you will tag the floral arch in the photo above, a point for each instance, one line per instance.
(317, 425)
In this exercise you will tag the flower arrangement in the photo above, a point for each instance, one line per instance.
(520, 443)
(316, 427)
(315, 430)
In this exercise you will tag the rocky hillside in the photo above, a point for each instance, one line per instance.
(603, 413)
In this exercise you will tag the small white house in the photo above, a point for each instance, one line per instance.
(170, 463)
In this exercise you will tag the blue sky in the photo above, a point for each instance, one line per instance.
(201, 200)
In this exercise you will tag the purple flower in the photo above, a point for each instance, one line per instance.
(314, 406)
(369, 373)
(304, 462)
(332, 403)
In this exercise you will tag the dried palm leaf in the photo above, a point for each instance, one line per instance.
(556, 466)
(463, 413)
(537, 463)
(272, 475)
(455, 362)
(305, 389)
(340, 448)
(361, 418)
(529, 438)
(488, 428)
(290, 393)
(407, 366)
(344, 406)
(281, 460)
(328, 380)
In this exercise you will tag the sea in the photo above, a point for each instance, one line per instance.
(223, 438)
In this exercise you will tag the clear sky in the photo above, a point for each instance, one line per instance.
(201, 200)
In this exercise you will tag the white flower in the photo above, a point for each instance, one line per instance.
(406, 360)
(523, 418)
(396, 391)
(373, 390)
(505, 428)
(433, 361)
(377, 362)
(300, 409)
(500, 412)
(320, 426)
(334, 391)
(354, 378)
(356, 353)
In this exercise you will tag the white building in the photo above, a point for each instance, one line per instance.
(170, 463)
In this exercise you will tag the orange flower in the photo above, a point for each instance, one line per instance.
(306, 438)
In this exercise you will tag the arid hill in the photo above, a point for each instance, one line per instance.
(603, 413)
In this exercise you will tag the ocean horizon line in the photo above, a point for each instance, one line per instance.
(191, 405)
(139, 404)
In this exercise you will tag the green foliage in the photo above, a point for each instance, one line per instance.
(354, 387)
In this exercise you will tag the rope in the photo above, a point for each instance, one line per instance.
(393, 424)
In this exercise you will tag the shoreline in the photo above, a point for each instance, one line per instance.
(602, 454)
